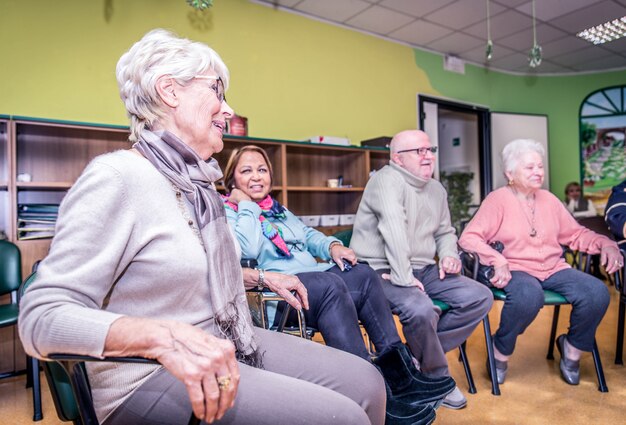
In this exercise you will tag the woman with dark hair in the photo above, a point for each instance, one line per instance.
(578, 205)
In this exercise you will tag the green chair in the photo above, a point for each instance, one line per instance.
(69, 384)
(345, 236)
(551, 298)
(10, 281)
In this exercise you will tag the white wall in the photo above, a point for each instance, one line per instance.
(464, 156)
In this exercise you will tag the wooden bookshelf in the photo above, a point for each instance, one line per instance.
(41, 159)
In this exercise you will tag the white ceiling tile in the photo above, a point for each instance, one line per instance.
(478, 55)
(617, 46)
(503, 24)
(580, 56)
(524, 39)
(595, 14)
(514, 61)
(379, 20)
(462, 14)
(547, 10)
(420, 33)
(562, 46)
(333, 10)
(509, 3)
(415, 8)
(455, 43)
(606, 63)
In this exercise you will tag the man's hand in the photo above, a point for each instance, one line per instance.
(416, 281)
(449, 265)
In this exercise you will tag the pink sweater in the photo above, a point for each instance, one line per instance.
(503, 217)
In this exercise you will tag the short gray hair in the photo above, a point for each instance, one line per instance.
(513, 150)
(159, 53)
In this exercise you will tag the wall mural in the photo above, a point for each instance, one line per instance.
(602, 134)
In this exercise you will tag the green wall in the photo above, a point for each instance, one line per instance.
(292, 77)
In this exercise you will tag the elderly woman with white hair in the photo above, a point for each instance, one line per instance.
(144, 264)
(533, 224)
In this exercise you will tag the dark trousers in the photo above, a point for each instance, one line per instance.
(524, 298)
(429, 336)
(338, 300)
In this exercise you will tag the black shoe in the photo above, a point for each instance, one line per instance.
(570, 369)
(409, 385)
(401, 413)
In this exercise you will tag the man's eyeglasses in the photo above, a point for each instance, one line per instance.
(218, 87)
(421, 151)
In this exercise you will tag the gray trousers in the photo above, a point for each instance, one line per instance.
(302, 382)
(428, 335)
(524, 298)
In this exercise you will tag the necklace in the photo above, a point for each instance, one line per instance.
(531, 206)
(185, 213)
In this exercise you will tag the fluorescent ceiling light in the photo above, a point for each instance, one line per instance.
(606, 32)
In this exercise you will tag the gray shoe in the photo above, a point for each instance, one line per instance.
(501, 369)
(570, 369)
(455, 400)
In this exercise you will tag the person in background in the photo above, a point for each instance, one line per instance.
(341, 292)
(615, 214)
(144, 264)
(578, 205)
(533, 225)
(402, 223)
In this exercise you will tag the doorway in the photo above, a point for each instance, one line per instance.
(462, 133)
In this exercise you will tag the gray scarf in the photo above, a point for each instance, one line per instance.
(186, 170)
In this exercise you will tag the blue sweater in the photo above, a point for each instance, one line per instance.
(304, 242)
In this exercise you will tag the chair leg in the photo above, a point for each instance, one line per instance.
(466, 366)
(555, 322)
(495, 387)
(599, 371)
(619, 346)
(36, 378)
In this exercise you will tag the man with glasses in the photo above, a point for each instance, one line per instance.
(403, 222)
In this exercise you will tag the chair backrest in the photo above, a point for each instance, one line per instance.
(58, 380)
(344, 236)
(10, 267)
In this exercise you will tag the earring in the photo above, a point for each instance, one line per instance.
(510, 182)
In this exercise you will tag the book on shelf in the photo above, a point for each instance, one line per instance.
(38, 208)
(21, 222)
(25, 236)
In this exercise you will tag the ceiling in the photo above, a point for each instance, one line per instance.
(459, 28)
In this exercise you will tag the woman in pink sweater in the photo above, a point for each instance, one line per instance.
(533, 224)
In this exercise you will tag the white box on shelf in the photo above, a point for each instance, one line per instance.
(330, 140)
(329, 220)
(310, 220)
(346, 219)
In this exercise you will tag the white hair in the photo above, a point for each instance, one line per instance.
(513, 150)
(159, 53)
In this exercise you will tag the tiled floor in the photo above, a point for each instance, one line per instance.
(533, 393)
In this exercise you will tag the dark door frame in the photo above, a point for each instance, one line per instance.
(484, 133)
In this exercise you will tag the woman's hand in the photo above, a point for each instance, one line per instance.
(206, 365)
(339, 253)
(449, 265)
(501, 276)
(611, 258)
(237, 195)
(283, 284)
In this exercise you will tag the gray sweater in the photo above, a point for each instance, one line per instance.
(121, 248)
(403, 221)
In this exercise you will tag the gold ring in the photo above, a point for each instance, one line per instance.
(223, 382)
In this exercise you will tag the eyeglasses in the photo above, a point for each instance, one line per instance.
(421, 151)
(218, 88)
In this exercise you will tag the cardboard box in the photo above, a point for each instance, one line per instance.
(346, 219)
(381, 142)
(310, 220)
(329, 220)
(330, 140)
